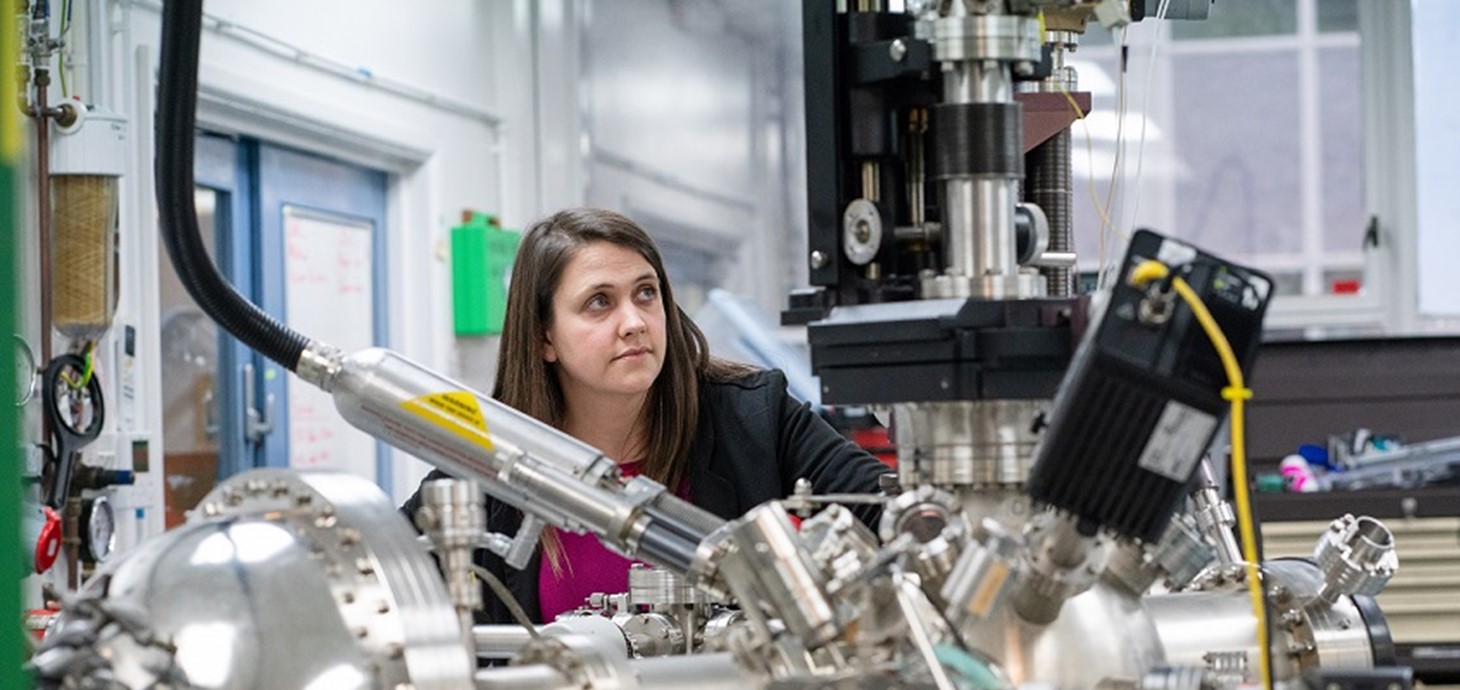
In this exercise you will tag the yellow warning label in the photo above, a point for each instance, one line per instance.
(457, 412)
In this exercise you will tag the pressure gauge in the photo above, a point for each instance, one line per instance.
(98, 528)
(25, 372)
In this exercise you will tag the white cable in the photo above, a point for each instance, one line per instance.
(1111, 221)
(1112, 254)
(1146, 114)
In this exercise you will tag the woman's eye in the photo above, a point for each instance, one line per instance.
(597, 302)
(648, 293)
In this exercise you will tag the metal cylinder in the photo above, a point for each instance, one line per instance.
(1214, 517)
(381, 392)
(653, 588)
(453, 516)
(1059, 563)
(499, 641)
(977, 584)
(982, 443)
(768, 569)
(1307, 632)
(516, 458)
(533, 677)
(979, 210)
(596, 670)
(1356, 556)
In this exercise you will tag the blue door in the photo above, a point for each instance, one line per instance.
(303, 237)
(203, 386)
(321, 229)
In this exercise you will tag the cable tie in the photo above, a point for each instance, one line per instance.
(1235, 393)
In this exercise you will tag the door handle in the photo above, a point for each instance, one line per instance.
(211, 425)
(257, 424)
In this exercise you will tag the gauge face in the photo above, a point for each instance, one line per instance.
(101, 528)
(25, 372)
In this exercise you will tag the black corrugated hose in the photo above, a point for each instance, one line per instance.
(182, 26)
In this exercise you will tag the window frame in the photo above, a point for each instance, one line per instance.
(1387, 301)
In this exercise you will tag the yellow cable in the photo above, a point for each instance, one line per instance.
(1237, 393)
(1147, 271)
(86, 372)
(1090, 153)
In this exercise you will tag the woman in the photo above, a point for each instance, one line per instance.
(595, 346)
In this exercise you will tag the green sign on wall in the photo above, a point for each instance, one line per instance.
(481, 253)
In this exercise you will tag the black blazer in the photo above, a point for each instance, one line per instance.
(754, 441)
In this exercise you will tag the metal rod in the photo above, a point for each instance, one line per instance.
(41, 113)
(871, 181)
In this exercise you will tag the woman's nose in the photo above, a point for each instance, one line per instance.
(632, 321)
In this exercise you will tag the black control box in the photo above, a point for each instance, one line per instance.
(1142, 399)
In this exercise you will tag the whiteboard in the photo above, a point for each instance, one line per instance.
(329, 294)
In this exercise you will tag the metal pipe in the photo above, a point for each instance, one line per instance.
(41, 49)
(994, 201)
(871, 181)
(707, 671)
(71, 540)
(1214, 516)
(499, 641)
(979, 237)
(453, 517)
(42, 80)
(534, 677)
(517, 459)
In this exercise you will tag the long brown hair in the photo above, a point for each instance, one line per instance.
(528, 383)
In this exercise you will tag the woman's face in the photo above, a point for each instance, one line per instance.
(607, 331)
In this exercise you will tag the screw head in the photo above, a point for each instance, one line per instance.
(818, 259)
(897, 51)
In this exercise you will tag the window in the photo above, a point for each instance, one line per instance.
(1253, 144)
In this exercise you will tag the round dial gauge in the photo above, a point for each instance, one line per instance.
(25, 372)
(99, 528)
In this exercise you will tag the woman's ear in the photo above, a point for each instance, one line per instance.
(549, 353)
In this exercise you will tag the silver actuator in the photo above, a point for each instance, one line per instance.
(551, 477)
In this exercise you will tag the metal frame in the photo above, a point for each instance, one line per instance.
(227, 173)
(1389, 301)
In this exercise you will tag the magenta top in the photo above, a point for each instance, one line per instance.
(587, 567)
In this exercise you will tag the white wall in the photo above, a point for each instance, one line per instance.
(442, 157)
(685, 118)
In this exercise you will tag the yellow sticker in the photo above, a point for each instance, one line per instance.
(457, 412)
